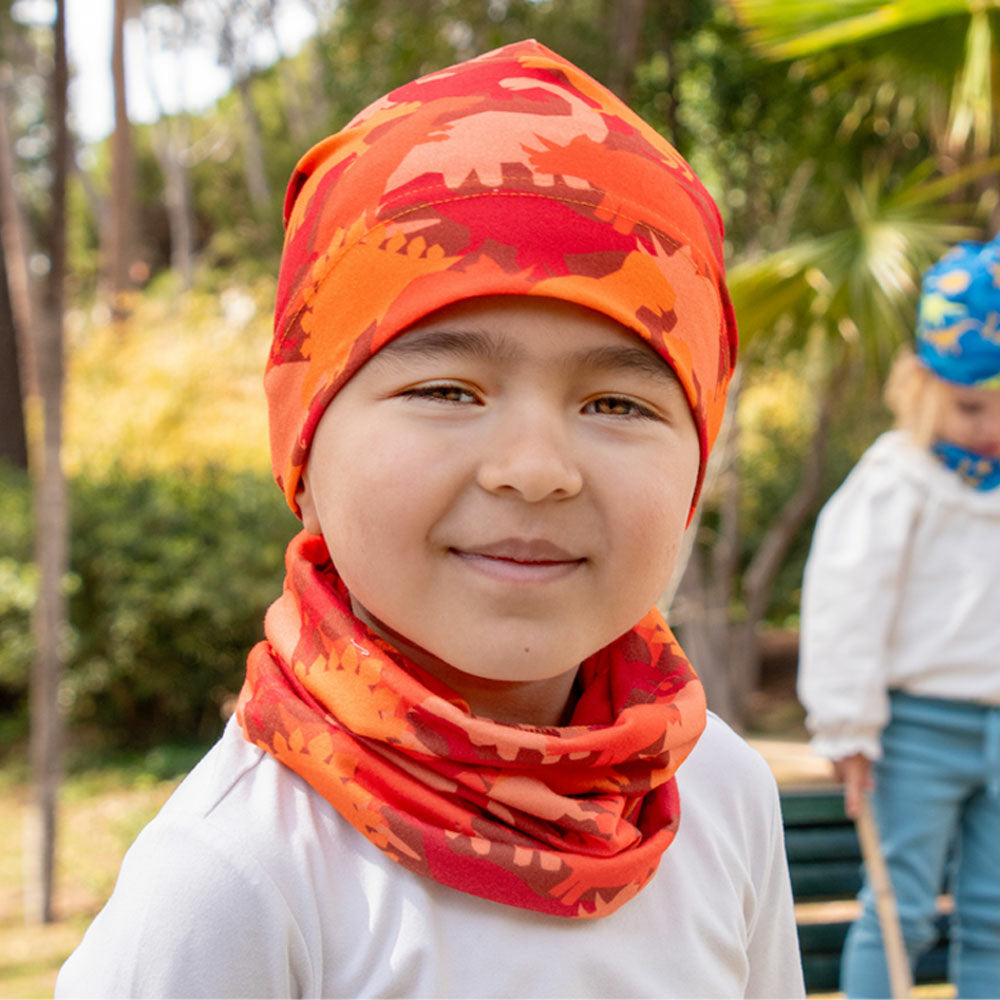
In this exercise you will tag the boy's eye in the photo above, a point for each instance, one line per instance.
(619, 406)
(445, 392)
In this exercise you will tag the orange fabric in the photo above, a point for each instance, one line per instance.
(513, 173)
(570, 821)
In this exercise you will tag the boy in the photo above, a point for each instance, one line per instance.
(502, 345)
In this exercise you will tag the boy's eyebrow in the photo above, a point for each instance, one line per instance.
(630, 358)
(480, 344)
(457, 343)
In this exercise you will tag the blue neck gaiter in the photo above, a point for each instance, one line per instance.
(981, 472)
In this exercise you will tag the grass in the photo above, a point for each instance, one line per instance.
(101, 812)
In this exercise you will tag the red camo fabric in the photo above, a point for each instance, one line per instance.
(570, 821)
(513, 173)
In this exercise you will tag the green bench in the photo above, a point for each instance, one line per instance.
(824, 860)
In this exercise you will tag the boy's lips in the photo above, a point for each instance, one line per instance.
(520, 559)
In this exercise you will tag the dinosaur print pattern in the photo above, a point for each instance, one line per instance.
(958, 326)
(570, 821)
(512, 173)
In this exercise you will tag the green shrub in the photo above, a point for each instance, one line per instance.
(170, 577)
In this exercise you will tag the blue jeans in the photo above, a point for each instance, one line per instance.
(937, 804)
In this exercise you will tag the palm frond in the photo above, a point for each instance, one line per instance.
(858, 284)
(973, 97)
(788, 29)
(952, 41)
(921, 188)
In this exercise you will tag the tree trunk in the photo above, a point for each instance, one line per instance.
(292, 91)
(703, 634)
(180, 215)
(170, 143)
(51, 532)
(121, 220)
(759, 576)
(701, 612)
(727, 654)
(626, 29)
(13, 442)
(253, 150)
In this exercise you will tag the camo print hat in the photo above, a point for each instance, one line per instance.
(514, 173)
(958, 325)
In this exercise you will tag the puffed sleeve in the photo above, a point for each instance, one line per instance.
(852, 583)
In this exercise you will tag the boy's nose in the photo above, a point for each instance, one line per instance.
(530, 458)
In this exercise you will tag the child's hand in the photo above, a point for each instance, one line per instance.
(855, 773)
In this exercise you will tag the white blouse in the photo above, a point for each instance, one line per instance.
(901, 591)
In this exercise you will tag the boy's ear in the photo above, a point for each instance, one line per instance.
(307, 507)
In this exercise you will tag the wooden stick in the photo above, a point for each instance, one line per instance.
(900, 976)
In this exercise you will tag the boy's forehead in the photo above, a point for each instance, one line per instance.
(526, 330)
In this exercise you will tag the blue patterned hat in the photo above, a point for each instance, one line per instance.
(958, 324)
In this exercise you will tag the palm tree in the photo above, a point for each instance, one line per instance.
(949, 44)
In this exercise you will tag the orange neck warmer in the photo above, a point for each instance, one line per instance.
(570, 821)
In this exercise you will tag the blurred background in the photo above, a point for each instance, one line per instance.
(144, 151)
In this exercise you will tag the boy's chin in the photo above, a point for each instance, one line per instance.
(510, 685)
(495, 691)
(499, 675)
(485, 661)
(498, 669)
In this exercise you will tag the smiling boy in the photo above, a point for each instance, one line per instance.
(470, 480)
(469, 760)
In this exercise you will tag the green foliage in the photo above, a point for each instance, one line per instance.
(18, 587)
(789, 30)
(766, 138)
(170, 577)
(946, 42)
(856, 285)
(776, 417)
(176, 385)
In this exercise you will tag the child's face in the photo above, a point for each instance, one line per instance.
(505, 486)
(970, 418)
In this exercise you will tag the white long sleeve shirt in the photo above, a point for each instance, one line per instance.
(248, 883)
(901, 591)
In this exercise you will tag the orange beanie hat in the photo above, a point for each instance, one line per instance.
(513, 173)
